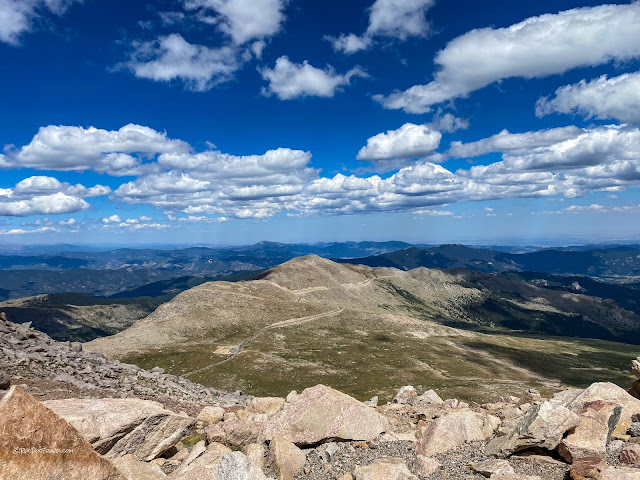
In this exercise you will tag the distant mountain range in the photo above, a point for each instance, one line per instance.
(193, 259)
(132, 272)
(107, 273)
(614, 262)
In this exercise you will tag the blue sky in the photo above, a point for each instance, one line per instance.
(235, 121)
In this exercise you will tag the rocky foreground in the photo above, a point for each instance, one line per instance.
(69, 414)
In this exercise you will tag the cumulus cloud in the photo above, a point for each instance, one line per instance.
(506, 142)
(408, 141)
(67, 148)
(171, 57)
(602, 98)
(41, 195)
(112, 219)
(47, 222)
(391, 150)
(537, 47)
(247, 26)
(216, 183)
(242, 20)
(350, 43)
(398, 19)
(559, 148)
(213, 186)
(288, 80)
(448, 122)
(21, 231)
(17, 16)
(53, 204)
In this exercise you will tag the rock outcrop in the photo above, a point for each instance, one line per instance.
(285, 458)
(454, 429)
(34, 356)
(585, 448)
(542, 426)
(320, 414)
(37, 444)
(609, 392)
(117, 427)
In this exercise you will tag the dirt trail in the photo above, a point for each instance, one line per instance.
(283, 323)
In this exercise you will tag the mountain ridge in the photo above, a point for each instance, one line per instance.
(296, 321)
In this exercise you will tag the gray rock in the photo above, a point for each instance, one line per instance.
(373, 402)
(634, 429)
(454, 429)
(328, 451)
(117, 427)
(5, 381)
(405, 395)
(489, 467)
(609, 392)
(430, 398)
(388, 468)
(321, 413)
(543, 425)
(133, 469)
(203, 467)
(635, 367)
(236, 466)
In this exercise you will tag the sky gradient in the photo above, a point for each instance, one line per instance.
(235, 121)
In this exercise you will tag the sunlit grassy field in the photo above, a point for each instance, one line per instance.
(366, 355)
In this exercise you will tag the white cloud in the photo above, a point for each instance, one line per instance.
(388, 18)
(130, 225)
(575, 163)
(349, 43)
(210, 186)
(171, 57)
(112, 219)
(514, 143)
(289, 80)
(202, 219)
(52, 204)
(448, 122)
(41, 195)
(408, 141)
(603, 98)
(20, 231)
(242, 20)
(117, 152)
(585, 208)
(399, 18)
(537, 47)
(391, 150)
(433, 213)
(17, 16)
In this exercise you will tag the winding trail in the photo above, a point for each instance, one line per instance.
(283, 323)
